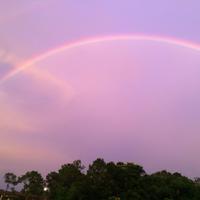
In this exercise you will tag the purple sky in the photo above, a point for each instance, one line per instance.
(127, 100)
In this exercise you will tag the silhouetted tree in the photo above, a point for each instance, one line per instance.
(106, 181)
(33, 183)
(10, 179)
(60, 183)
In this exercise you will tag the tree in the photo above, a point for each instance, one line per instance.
(10, 179)
(61, 182)
(33, 183)
(99, 180)
(105, 181)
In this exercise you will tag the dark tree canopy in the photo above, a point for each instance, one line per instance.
(10, 180)
(105, 181)
(33, 183)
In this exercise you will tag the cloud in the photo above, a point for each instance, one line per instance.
(7, 57)
(11, 119)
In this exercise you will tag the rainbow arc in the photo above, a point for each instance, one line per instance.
(83, 42)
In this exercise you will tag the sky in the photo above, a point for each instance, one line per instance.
(112, 79)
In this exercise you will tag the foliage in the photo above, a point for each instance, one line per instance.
(107, 181)
(11, 180)
(33, 183)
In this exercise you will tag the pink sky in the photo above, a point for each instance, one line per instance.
(127, 100)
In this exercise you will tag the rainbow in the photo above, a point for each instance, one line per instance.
(94, 40)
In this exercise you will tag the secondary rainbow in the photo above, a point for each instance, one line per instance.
(94, 40)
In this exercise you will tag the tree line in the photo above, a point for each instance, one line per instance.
(104, 181)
